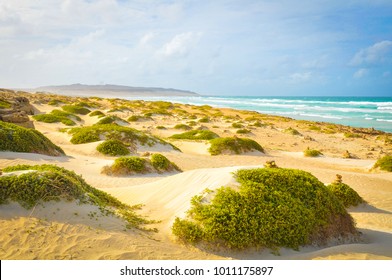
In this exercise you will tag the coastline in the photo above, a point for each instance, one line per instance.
(60, 234)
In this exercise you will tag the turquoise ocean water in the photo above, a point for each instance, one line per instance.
(368, 112)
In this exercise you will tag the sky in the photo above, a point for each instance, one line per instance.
(264, 47)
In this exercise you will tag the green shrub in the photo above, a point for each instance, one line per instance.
(96, 113)
(149, 113)
(162, 164)
(272, 208)
(312, 153)
(187, 231)
(243, 131)
(19, 139)
(161, 127)
(345, 194)
(233, 145)
(56, 116)
(54, 102)
(137, 165)
(352, 135)
(204, 120)
(384, 163)
(257, 124)
(237, 125)
(63, 114)
(182, 126)
(192, 123)
(129, 136)
(74, 109)
(110, 119)
(47, 118)
(196, 135)
(113, 147)
(292, 131)
(129, 165)
(50, 182)
(134, 118)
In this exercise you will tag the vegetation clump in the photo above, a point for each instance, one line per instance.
(97, 113)
(272, 208)
(243, 131)
(233, 145)
(49, 182)
(204, 120)
(15, 138)
(345, 193)
(292, 131)
(196, 135)
(129, 136)
(76, 109)
(124, 166)
(58, 116)
(110, 119)
(182, 126)
(237, 125)
(384, 163)
(113, 147)
(312, 153)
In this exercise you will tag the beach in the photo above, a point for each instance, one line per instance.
(64, 230)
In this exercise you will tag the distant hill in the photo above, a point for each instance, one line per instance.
(112, 90)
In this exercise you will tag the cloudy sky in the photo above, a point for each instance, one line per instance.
(264, 47)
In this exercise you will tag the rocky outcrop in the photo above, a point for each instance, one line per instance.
(15, 109)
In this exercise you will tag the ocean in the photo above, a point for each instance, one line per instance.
(366, 112)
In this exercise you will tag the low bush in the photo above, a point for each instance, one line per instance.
(352, 135)
(50, 182)
(292, 131)
(243, 131)
(136, 165)
(57, 116)
(312, 153)
(233, 145)
(26, 140)
(237, 125)
(96, 113)
(113, 147)
(74, 109)
(345, 194)
(384, 163)
(162, 164)
(196, 135)
(182, 126)
(272, 208)
(204, 120)
(110, 119)
(129, 136)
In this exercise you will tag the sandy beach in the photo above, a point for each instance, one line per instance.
(63, 230)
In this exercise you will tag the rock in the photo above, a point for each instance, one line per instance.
(18, 109)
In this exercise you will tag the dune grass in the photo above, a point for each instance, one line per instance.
(272, 208)
(384, 163)
(53, 183)
(196, 135)
(113, 147)
(15, 138)
(233, 145)
(132, 165)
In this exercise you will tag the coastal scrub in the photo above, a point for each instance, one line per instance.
(272, 208)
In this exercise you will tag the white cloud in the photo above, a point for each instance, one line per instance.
(360, 73)
(181, 44)
(380, 52)
(300, 77)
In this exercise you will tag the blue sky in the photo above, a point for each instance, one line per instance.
(240, 47)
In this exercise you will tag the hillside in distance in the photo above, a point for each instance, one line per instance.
(112, 90)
